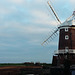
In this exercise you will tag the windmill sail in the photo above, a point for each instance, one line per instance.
(54, 12)
(53, 34)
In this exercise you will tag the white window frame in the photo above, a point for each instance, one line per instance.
(66, 49)
(66, 29)
(66, 37)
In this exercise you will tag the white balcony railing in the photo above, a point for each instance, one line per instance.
(72, 51)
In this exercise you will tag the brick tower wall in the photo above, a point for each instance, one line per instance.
(67, 38)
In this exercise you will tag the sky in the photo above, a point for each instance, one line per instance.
(25, 24)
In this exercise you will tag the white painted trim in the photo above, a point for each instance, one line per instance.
(63, 27)
(66, 29)
(64, 51)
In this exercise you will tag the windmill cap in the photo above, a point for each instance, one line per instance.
(70, 21)
(73, 12)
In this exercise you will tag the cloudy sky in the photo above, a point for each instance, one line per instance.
(25, 24)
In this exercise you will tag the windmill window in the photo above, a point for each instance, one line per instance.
(66, 29)
(66, 37)
(66, 49)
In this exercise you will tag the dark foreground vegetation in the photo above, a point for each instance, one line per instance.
(25, 68)
(30, 68)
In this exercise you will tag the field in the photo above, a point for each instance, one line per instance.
(24, 69)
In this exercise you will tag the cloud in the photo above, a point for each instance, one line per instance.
(16, 1)
(7, 45)
(22, 26)
(43, 18)
(26, 29)
(5, 10)
(8, 8)
(39, 14)
(17, 31)
(46, 23)
(72, 1)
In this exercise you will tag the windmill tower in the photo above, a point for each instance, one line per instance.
(66, 46)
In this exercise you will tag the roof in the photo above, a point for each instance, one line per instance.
(70, 21)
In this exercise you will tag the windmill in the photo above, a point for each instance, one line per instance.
(66, 39)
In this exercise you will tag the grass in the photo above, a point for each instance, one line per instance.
(24, 64)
